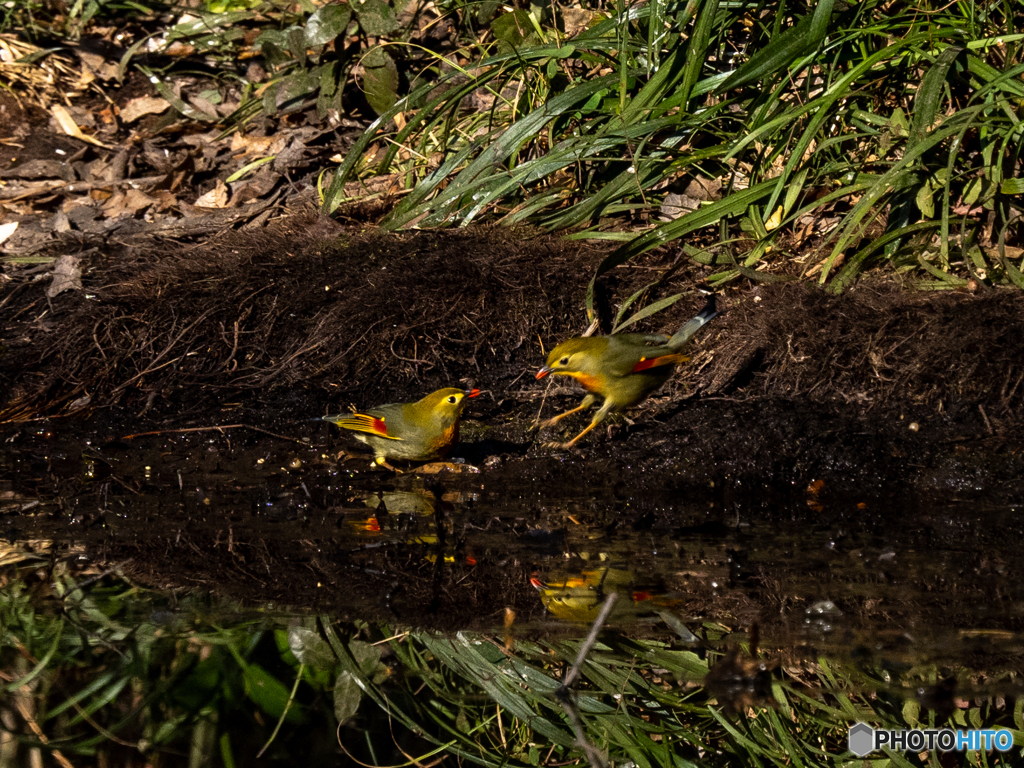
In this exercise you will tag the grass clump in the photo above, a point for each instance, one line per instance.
(779, 140)
(800, 141)
(98, 668)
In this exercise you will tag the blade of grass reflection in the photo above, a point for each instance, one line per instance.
(108, 696)
(102, 681)
(40, 666)
(284, 714)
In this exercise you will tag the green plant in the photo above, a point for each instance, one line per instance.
(894, 128)
(96, 665)
(106, 666)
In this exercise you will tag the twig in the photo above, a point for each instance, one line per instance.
(92, 580)
(588, 644)
(218, 427)
(103, 731)
(543, 399)
(97, 341)
(168, 348)
(23, 703)
(988, 424)
(234, 349)
(563, 694)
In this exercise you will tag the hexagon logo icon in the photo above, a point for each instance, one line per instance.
(861, 739)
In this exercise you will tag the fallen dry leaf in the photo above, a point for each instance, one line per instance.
(675, 205)
(70, 127)
(142, 106)
(97, 64)
(1009, 251)
(131, 202)
(136, 200)
(215, 198)
(67, 275)
(6, 230)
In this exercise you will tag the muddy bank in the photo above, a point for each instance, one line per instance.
(880, 389)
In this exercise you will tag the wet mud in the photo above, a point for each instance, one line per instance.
(822, 462)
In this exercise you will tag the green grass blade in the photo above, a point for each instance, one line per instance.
(732, 205)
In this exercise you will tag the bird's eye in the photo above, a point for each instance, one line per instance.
(453, 399)
(564, 360)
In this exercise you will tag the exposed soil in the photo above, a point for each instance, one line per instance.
(879, 387)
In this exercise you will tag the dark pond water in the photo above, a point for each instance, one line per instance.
(527, 545)
(212, 596)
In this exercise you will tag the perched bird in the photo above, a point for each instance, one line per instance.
(420, 431)
(623, 368)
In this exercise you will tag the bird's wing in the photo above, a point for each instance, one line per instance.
(364, 422)
(633, 353)
(653, 362)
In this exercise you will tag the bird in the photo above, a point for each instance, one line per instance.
(421, 431)
(623, 369)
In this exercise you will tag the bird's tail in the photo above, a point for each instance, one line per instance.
(694, 324)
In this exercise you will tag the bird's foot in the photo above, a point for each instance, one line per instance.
(558, 446)
(382, 462)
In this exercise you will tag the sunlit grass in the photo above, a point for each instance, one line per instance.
(842, 138)
(831, 139)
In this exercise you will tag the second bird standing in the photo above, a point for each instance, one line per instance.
(623, 369)
(422, 431)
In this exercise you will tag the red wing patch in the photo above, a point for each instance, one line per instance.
(363, 422)
(654, 362)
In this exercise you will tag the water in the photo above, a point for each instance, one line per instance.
(211, 596)
(263, 521)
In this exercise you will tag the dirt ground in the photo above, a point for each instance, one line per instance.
(877, 387)
(839, 429)
(140, 293)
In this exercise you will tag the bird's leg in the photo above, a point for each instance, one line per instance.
(612, 426)
(598, 418)
(380, 461)
(587, 402)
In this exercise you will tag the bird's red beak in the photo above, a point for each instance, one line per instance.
(543, 372)
(472, 392)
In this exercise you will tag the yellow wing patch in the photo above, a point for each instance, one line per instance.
(363, 422)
